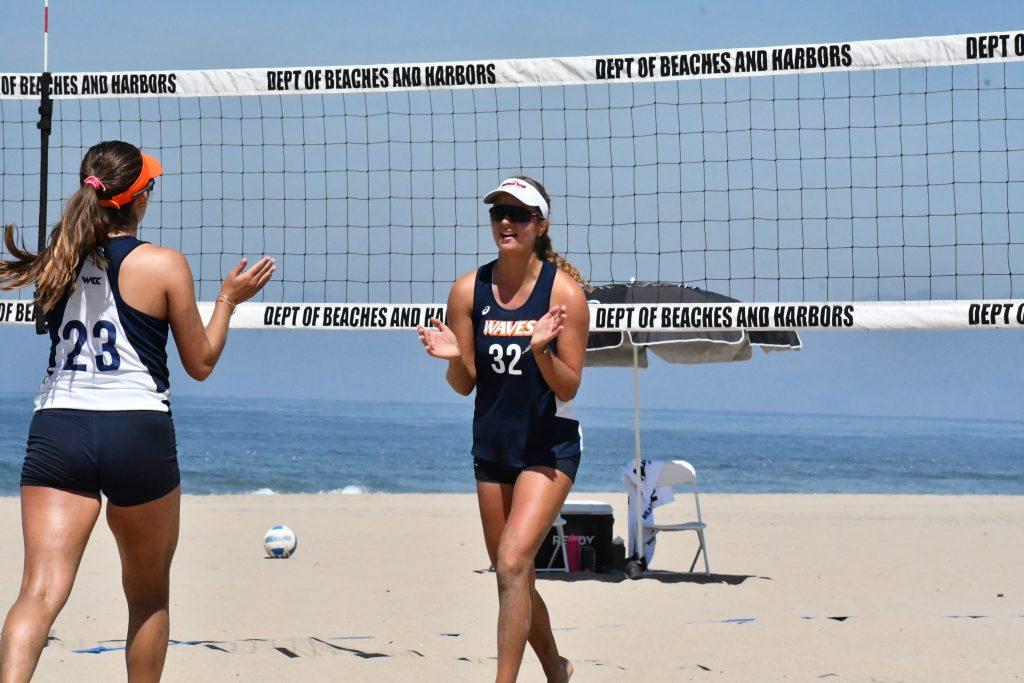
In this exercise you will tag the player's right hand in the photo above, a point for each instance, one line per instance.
(439, 341)
(241, 285)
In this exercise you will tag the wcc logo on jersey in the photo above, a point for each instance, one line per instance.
(91, 280)
(509, 328)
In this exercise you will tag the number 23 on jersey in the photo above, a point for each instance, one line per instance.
(102, 329)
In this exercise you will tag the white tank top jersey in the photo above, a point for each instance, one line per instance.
(104, 354)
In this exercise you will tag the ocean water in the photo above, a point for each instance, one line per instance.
(246, 445)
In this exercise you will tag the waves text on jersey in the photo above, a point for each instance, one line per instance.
(509, 328)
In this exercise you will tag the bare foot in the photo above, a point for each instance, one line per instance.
(564, 672)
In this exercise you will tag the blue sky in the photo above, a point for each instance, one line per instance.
(933, 374)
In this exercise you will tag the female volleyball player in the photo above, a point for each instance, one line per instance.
(517, 332)
(103, 421)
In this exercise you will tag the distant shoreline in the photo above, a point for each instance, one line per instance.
(645, 409)
(236, 447)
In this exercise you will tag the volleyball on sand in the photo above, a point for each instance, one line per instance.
(280, 541)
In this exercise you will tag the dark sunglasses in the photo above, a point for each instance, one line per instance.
(515, 214)
(148, 188)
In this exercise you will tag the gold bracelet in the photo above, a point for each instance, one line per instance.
(229, 302)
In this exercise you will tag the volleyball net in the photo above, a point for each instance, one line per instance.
(861, 185)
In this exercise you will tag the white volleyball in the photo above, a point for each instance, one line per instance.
(280, 541)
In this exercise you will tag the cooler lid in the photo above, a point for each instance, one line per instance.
(586, 507)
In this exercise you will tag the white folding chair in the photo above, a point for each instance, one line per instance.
(676, 474)
(559, 526)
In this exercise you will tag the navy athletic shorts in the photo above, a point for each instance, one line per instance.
(497, 473)
(128, 455)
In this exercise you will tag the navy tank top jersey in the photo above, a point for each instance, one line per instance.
(518, 421)
(104, 354)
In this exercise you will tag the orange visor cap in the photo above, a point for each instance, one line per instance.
(151, 169)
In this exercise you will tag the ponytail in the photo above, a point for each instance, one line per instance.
(82, 230)
(75, 238)
(546, 252)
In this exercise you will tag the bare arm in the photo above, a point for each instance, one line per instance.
(200, 348)
(569, 322)
(454, 342)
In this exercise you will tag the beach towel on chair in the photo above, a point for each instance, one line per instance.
(651, 496)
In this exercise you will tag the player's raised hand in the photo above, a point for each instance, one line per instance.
(547, 328)
(439, 341)
(241, 285)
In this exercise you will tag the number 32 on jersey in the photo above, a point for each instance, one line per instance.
(506, 358)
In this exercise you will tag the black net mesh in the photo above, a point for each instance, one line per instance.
(896, 184)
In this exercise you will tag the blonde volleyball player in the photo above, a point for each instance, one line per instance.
(103, 420)
(517, 332)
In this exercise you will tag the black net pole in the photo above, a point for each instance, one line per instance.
(44, 125)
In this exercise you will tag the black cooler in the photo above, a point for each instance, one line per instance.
(592, 521)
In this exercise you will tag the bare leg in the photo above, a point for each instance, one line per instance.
(147, 536)
(557, 669)
(56, 525)
(536, 498)
(495, 502)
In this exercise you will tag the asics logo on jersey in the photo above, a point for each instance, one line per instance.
(509, 328)
(91, 280)
(487, 309)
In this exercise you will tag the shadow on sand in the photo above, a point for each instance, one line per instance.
(660, 576)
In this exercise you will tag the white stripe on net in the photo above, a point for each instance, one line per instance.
(643, 67)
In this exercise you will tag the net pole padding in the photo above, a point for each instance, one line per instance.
(44, 125)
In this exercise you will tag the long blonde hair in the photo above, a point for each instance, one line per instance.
(543, 248)
(83, 228)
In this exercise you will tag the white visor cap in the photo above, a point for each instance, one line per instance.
(521, 190)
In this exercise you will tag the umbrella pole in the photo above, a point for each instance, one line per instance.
(638, 523)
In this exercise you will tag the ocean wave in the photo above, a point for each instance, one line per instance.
(351, 490)
(262, 492)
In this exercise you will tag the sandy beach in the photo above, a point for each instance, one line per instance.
(395, 588)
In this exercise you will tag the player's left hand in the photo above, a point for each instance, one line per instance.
(547, 328)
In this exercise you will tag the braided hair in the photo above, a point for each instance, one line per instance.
(543, 248)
